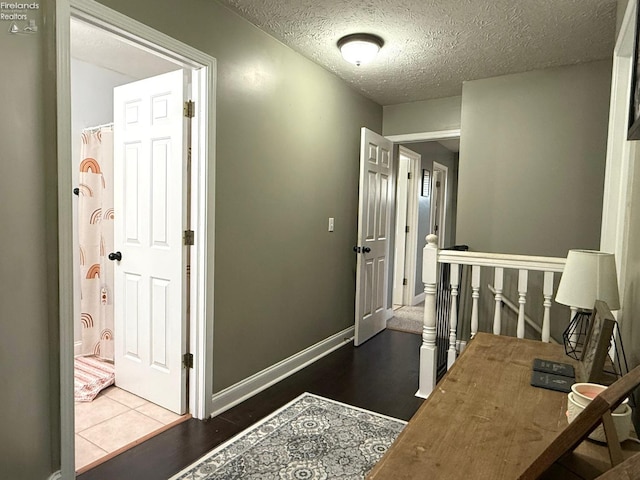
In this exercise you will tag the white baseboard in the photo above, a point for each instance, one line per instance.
(422, 395)
(77, 349)
(418, 299)
(250, 386)
(388, 314)
(55, 476)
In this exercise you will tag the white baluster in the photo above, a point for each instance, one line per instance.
(475, 295)
(428, 351)
(498, 283)
(453, 324)
(547, 293)
(523, 276)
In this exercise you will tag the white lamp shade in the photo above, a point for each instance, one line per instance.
(589, 276)
(359, 52)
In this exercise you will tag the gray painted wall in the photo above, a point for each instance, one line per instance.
(28, 267)
(622, 6)
(425, 116)
(288, 136)
(434, 152)
(532, 157)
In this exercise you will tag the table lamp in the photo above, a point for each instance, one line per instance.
(588, 276)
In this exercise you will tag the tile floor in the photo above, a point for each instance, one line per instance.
(114, 419)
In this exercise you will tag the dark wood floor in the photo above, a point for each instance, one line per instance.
(381, 375)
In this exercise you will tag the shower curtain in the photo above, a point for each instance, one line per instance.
(95, 220)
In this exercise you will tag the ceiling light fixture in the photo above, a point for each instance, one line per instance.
(359, 48)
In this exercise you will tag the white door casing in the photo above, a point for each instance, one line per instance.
(149, 204)
(439, 202)
(413, 243)
(374, 224)
(400, 230)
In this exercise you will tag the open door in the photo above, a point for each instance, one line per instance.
(149, 204)
(374, 224)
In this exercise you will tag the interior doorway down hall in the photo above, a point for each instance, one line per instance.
(200, 165)
(421, 174)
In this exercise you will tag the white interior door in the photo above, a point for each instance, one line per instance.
(374, 222)
(149, 204)
(401, 230)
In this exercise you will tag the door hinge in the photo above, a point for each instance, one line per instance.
(187, 360)
(406, 229)
(404, 281)
(189, 237)
(409, 175)
(189, 109)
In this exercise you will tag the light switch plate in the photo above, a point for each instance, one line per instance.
(331, 224)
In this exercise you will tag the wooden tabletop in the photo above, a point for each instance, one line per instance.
(484, 419)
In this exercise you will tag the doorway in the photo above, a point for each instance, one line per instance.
(430, 161)
(134, 37)
(113, 173)
(432, 155)
(406, 236)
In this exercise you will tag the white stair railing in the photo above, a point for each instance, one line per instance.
(523, 264)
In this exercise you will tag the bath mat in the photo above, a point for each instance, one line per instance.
(90, 376)
(309, 438)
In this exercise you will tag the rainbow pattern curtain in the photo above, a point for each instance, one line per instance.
(95, 220)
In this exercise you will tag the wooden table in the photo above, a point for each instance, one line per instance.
(485, 420)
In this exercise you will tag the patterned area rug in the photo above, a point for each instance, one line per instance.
(310, 438)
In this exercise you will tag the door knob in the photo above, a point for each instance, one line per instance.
(113, 256)
(366, 249)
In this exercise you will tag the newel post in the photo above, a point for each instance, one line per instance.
(428, 357)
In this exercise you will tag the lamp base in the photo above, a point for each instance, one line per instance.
(575, 335)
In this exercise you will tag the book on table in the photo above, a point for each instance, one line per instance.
(556, 368)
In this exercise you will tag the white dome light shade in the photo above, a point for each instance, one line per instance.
(360, 48)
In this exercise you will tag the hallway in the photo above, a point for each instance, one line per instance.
(380, 375)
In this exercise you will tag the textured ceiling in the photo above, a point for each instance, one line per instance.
(432, 46)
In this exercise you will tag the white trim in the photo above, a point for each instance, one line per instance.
(503, 260)
(401, 223)
(411, 247)
(203, 205)
(55, 476)
(65, 238)
(388, 313)
(425, 136)
(620, 164)
(77, 349)
(256, 383)
(418, 299)
(445, 204)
